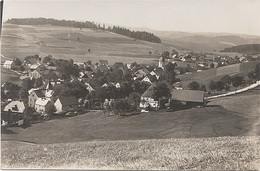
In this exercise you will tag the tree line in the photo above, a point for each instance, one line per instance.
(140, 35)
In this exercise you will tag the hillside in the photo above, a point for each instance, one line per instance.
(67, 42)
(223, 153)
(250, 49)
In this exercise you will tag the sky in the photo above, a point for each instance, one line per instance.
(229, 16)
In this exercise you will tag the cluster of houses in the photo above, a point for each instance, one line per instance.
(41, 98)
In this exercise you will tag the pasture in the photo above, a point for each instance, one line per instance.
(66, 42)
(215, 120)
(8, 75)
(216, 74)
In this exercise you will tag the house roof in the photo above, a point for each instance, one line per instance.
(188, 95)
(39, 93)
(102, 68)
(41, 102)
(158, 71)
(8, 62)
(31, 61)
(70, 100)
(15, 106)
(34, 66)
(103, 62)
(90, 68)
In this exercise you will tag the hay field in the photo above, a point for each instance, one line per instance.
(66, 42)
(223, 153)
(8, 75)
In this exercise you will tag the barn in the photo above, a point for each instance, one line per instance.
(194, 97)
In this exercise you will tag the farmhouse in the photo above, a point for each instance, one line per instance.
(158, 72)
(15, 107)
(33, 96)
(194, 96)
(8, 64)
(66, 103)
(149, 78)
(41, 105)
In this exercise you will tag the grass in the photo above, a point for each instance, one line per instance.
(45, 40)
(216, 74)
(8, 75)
(223, 153)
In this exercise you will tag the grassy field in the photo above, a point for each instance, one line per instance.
(216, 74)
(211, 121)
(8, 75)
(20, 41)
(223, 153)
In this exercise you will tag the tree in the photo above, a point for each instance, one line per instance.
(121, 106)
(166, 54)
(212, 65)
(220, 85)
(10, 90)
(50, 109)
(237, 81)
(212, 85)
(251, 75)
(141, 86)
(194, 85)
(134, 98)
(23, 94)
(38, 82)
(126, 88)
(169, 72)
(203, 88)
(161, 90)
(17, 62)
(257, 71)
(47, 59)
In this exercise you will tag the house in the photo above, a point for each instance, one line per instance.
(194, 96)
(103, 62)
(8, 64)
(147, 97)
(89, 87)
(158, 72)
(117, 85)
(66, 103)
(140, 73)
(41, 105)
(34, 95)
(51, 66)
(15, 107)
(30, 61)
(149, 78)
(102, 68)
(90, 69)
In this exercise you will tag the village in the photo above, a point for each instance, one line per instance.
(54, 88)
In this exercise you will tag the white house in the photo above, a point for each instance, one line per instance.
(15, 106)
(8, 64)
(66, 103)
(41, 105)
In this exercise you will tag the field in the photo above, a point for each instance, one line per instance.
(8, 75)
(216, 74)
(211, 121)
(66, 42)
(223, 153)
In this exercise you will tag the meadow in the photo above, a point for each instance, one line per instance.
(216, 74)
(65, 42)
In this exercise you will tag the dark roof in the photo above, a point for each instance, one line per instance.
(159, 71)
(102, 68)
(90, 68)
(188, 95)
(39, 93)
(70, 100)
(31, 61)
(103, 62)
